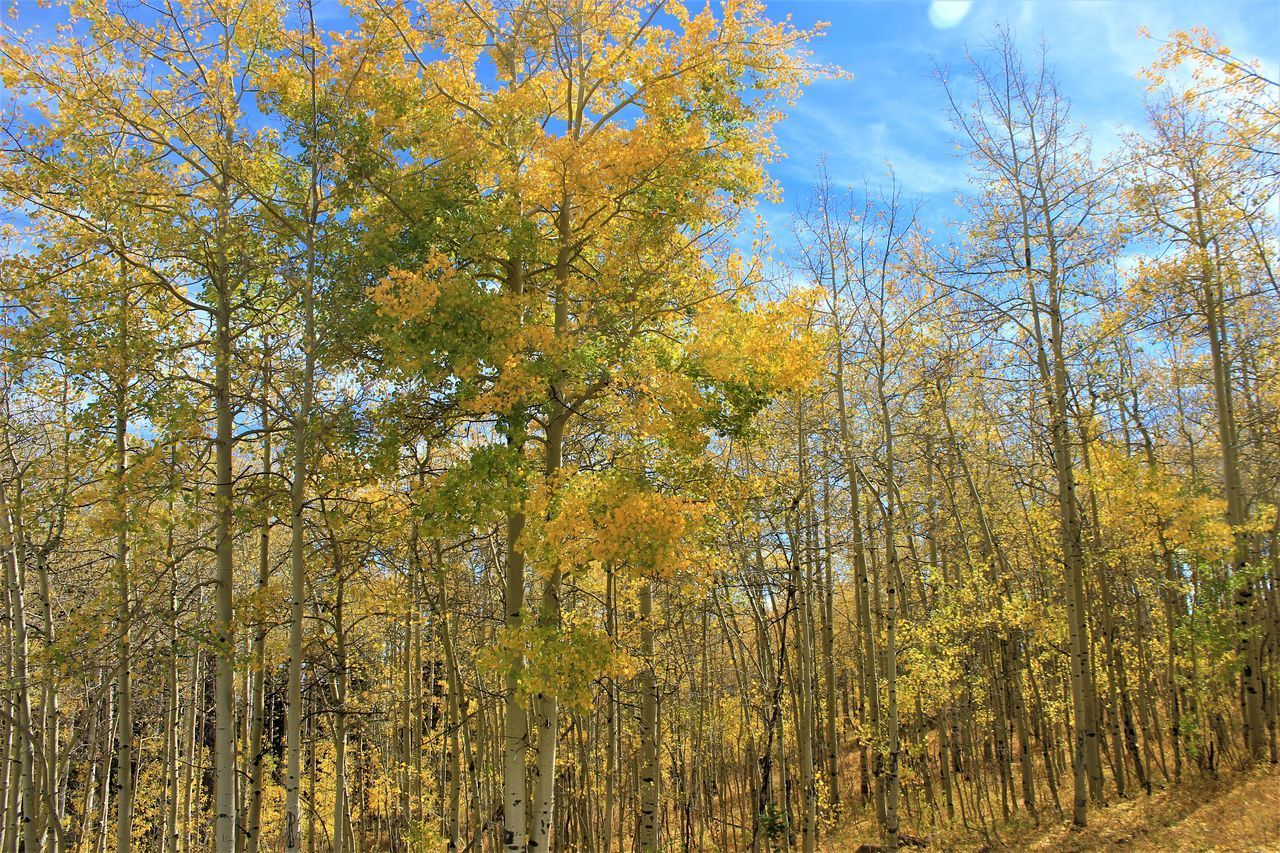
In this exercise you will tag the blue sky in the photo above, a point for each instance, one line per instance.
(893, 111)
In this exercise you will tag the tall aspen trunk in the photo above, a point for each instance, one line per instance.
(892, 576)
(515, 834)
(257, 653)
(298, 478)
(407, 743)
(648, 769)
(53, 786)
(516, 725)
(557, 416)
(104, 792)
(832, 742)
(224, 555)
(1214, 297)
(454, 772)
(9, 745)
(1067, 497)
(340, 808)
(12, 547)
(548, 703)
(173, 699)
(124, 690)
(613, 721)
(802, 554)
(90, 785)
(194, 711)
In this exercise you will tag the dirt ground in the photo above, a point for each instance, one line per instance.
(1236, 812)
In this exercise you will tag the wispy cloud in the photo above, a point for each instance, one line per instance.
(894, 112)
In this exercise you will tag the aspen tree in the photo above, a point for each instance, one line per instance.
(562, 211)
(1203, 184)
(1019, 137)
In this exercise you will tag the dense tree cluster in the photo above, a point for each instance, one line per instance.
(405, 447)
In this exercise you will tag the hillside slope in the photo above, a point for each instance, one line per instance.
(1236, 812)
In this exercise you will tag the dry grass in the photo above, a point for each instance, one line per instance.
(1236, 812)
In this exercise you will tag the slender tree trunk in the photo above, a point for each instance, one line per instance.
(340, 808)
(612, 717)
(224, 554)
(1247, 646)
(648, 768)
(829, 662)
(1053, 374)
(124, 691)
(557, 416)
(892, 575)
(257, 654)
(515, 834)
(173, 701)
(298, 482)
(802, 554)
(194, 712)
(12, 546)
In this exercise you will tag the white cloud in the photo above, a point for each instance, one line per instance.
(874, 128)
(945, 14)
(894, 112)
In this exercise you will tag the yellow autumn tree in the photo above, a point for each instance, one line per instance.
(603, 154)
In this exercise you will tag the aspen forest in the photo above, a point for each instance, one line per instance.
(433, 425)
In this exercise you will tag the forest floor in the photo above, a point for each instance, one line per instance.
(1235, 812)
